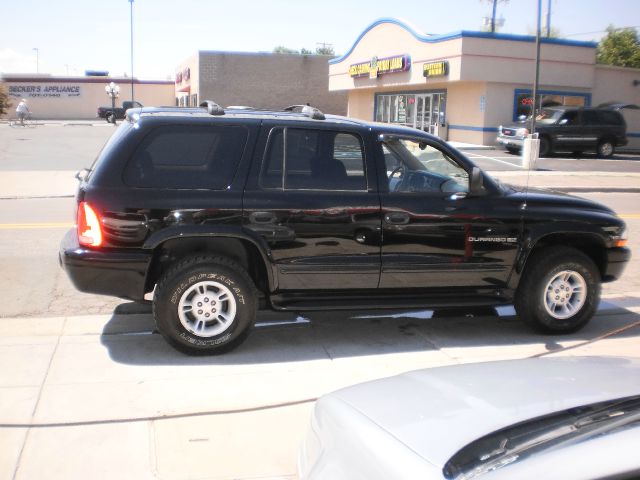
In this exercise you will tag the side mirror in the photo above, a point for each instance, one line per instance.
(82, 175)
(475, 182)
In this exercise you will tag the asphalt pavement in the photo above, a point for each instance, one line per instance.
(88, 389)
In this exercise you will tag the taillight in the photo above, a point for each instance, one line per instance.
(89, 230)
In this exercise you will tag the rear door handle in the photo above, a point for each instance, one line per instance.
(397, 218)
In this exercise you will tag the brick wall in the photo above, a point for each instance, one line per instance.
(269, 81)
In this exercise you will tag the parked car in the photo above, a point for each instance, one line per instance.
(111, 114)
(569, 418)
(570, 129)
(213, 212)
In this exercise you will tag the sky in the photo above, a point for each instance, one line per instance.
(72, 36)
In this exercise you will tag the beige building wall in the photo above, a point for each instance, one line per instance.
(616, 84)
(265, 80)
(78, 98)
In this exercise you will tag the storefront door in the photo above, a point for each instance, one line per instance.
(424, 111)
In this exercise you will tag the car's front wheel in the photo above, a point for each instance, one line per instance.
(204, 305)
(560, 290)
(545, 147)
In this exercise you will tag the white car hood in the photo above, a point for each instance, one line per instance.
(436, 412)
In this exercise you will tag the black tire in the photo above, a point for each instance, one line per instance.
(513, 150)
(532, 295)
(111, 117)
(545, 147)
(220, 284)
(606, 148)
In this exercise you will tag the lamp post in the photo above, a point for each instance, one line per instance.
(131, 16)
(37, 59)
(113, 91)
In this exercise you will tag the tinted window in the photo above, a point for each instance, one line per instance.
(610, 118)
(569, 118)
(181, 156)
(589, 117)
(313, 160)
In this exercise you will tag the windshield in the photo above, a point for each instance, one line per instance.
(548, 117)
(516, 443)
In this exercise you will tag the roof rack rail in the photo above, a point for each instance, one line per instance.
(307, 110)
(212, 107)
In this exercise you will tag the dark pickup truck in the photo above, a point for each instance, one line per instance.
(111, 114)
(213, 212)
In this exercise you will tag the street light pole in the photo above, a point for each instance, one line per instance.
(537, 77)
(131, 16)
(37, 59)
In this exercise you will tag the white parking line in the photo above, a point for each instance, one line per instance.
(476, 155)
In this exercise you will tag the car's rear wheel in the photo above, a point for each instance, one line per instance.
(205, 305)
(606, 148)
(111, 117)
(560, 290)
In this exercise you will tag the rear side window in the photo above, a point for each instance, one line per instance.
(589, 117)
(301, 159)
(187, 157)
(610, 118)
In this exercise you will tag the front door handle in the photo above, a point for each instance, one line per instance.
(397, 218)
(262, 217)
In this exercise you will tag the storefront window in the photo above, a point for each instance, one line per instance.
(523, 101)
(424, 111)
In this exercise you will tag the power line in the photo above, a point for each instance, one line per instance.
(598, 31)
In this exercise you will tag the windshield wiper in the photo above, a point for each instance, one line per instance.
(524, 439)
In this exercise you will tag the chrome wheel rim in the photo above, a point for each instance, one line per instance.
(207, 309)
(606, 149)
(565, 294)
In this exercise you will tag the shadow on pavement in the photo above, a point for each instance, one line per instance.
(281, 337)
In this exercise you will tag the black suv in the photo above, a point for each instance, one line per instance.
(569, 129)
(219, 211)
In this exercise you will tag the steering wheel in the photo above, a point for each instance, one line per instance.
(399, 169)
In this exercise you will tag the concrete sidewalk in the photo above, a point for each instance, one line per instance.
(104, 397)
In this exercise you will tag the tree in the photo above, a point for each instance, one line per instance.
(325, 49)
(283, 49)
(620, 47)
(5, 101)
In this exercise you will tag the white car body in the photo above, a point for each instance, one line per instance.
(409, 426)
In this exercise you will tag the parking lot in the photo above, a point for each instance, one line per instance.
(89, 389)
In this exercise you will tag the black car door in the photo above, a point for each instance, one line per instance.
(435, 234)
(311, 197)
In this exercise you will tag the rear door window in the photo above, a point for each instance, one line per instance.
(187, 157)
(589, 117)
(305, 159)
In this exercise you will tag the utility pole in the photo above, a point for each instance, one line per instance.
(493, 17)
(548, 18)
(537, 76)
(37, 59)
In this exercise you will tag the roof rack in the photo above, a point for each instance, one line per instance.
(307, 110)
(212, 107)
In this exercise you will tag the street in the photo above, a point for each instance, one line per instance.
(83, 370)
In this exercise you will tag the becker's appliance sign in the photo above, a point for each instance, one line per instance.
(44, 91)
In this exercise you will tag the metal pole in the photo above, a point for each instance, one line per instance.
(131, 11)
(548, 18)
(493, 17)
(537, 77)
(37, 59)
